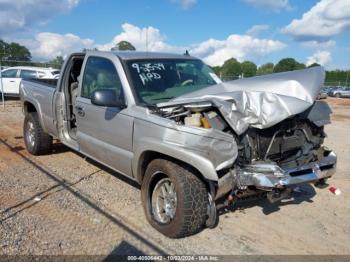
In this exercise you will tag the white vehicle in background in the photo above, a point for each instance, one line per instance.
(12, 77)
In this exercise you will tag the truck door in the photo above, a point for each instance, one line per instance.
(103, 133)
(10, 82)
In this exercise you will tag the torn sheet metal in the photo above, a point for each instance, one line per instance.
(208, 150)
(260, 102)
(270, 175)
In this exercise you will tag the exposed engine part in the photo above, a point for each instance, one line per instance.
(193, 120)
(291, 143)
(195, 115)
(278, 194)
(215, 120)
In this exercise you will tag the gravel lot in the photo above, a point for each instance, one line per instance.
(65, 204)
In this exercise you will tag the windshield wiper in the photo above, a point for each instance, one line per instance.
(161, 98)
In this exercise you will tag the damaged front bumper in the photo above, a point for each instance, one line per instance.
(268, 176)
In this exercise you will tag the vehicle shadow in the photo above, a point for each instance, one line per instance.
(122, 251)
(61, 184)
(59, 148)
(302, 193)
(111, 172)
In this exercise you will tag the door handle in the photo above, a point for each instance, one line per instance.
(80, 111)
(12, 81)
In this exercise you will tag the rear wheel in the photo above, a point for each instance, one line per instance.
(175, 200)
(36, 140)
(337, 95)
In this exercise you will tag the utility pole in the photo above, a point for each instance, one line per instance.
(147, 39)
(347, 77)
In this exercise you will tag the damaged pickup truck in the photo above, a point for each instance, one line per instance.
(168, 122)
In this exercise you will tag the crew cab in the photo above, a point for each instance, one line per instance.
(168, 122)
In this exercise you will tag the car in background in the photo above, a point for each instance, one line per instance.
(340, 92)
(323, 93)
(12, 77)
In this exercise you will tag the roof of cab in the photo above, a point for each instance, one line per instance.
(135, 55)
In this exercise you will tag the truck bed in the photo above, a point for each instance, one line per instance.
(47, 82)
(40, 93)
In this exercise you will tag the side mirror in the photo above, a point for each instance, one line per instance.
(107, 98)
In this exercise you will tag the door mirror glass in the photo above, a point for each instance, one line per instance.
(107, 98)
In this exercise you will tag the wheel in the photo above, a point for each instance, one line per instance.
(337, 95)
(36, 140)
(174, 199)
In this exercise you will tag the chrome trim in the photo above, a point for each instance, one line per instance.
(268, 175)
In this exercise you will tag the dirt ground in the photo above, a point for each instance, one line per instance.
(65, 204)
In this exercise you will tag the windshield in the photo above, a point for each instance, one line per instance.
(159, 80)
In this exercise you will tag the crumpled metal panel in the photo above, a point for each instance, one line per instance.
(262, 101)
(207, 150)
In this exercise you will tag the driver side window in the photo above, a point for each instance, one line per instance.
(100, 73)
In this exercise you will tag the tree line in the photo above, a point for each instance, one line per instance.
(14, 54)
(233, 69)
(11, 53)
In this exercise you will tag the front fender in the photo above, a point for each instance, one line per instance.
(207, 150)
(203, 165)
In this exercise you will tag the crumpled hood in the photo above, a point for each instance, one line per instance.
(262, 101)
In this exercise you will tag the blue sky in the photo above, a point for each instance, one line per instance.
(258, 30)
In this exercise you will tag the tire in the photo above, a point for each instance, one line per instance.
(190, 213)
(36, 140)
(337, 95)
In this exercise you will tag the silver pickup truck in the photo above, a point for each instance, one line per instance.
(191, 141)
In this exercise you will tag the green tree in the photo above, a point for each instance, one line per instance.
(14, 51)
(123, 46)
(337, 77)
(3, 49)
(248, 69)
(265, 69)
(217, 70)
(231, 69)
(57, 62)
(313, 65)
(288, 64)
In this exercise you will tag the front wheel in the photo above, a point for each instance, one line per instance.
(175, 200)
(337, 95)
(36, 140)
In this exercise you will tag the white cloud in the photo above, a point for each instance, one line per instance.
(274, 5)
(215, 52)
(320, 57)
(319, 45)
(185, 4)
(257, 29)
(141, 38)
(46, 45)
(327, 18)
(17, 15)
(212, 51)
